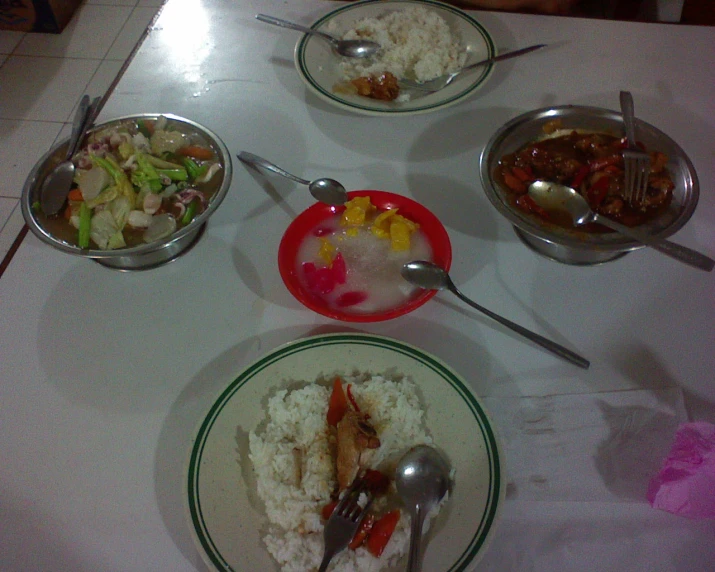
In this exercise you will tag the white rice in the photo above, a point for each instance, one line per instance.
(297, 419)
(416, 43)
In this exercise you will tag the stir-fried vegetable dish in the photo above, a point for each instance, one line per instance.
(592, 164)
(136, 182)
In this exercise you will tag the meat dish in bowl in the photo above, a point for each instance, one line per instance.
(582, 148)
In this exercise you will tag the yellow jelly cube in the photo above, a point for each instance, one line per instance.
(356, 211)
(327, 251)
(399, 236)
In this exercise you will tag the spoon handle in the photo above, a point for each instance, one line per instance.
(676, 251)
(292, 26)
(504, 56)
(553, 347)
(627, 109)
(77, 125)
(414, 563)
(247, 157)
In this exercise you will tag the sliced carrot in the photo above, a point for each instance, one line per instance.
(68, 212)
(75, 195)
(338, 403)
(196, 152)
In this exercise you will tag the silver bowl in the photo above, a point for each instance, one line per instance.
(574, 246)
(141, 257)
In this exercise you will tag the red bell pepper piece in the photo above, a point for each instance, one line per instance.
(360, 536)
(521, 174)
(381, 532)
(377, 482)
(598, 191)
(328, 509)
(603, 162)
(580, 176)
(526, 203)
(351, 399)
(513, 183)
(338, 403)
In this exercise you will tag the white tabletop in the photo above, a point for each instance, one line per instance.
(105, 375)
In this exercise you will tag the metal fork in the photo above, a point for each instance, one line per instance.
(443, 81)
(345, 521)
(636, 161)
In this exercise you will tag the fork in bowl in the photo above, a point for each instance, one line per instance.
(636, 161)
(345, 521)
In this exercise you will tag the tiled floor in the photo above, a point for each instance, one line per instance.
(43, 76)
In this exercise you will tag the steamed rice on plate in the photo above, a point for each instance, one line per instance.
(302, 457)
(417, 44)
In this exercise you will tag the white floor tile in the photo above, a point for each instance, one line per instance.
(22, 143)
(9, 40)
(48, 93)
(12, 226)
(90, 34)
(131, 33)
(6, 208)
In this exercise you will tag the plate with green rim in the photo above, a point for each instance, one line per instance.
(227, 519)
(318, 65)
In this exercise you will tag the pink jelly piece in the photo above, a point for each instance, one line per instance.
(340, 272)
(350, 299)
(319, 280)
(322, 231)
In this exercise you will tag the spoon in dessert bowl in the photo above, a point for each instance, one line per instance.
(328, 191)
(422, 479)
(347, 48)
(553, 196)
(430, 276)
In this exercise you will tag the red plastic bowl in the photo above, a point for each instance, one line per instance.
(305, 222)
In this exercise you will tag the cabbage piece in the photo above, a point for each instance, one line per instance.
(105, 232)
(167, 141)
(139, 219)
(126, 150)
(120, 208)
(141, 143)
(108, 194)
(208, 175)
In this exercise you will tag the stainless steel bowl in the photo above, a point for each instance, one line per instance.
(141, 257)
(574, 246)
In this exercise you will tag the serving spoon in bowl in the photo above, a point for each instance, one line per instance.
(328, 191)
(58, 182)
(552, 196)
(430, 276)
(347, 48)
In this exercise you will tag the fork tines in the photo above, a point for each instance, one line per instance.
(637, 169)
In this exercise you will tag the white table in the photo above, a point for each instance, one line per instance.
(104, 375)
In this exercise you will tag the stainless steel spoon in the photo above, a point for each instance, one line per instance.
(429, 276)
(58, 183)
(328, 191)
(553, 196)
(422, 480)
(347, 48)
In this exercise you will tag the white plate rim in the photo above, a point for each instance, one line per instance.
(497, 480)
(368, 108)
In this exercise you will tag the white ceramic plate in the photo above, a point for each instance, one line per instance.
(317, 64)
(225, 514)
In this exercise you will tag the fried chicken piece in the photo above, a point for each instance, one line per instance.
(355, 437)
(383, 86)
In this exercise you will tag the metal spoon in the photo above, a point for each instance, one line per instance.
(553, 196)
(58, 183)
(422, 480)
(347, 48)
(328, 191)
(429, 276)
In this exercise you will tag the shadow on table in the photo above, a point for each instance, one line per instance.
(194, 401)
(28, 536)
